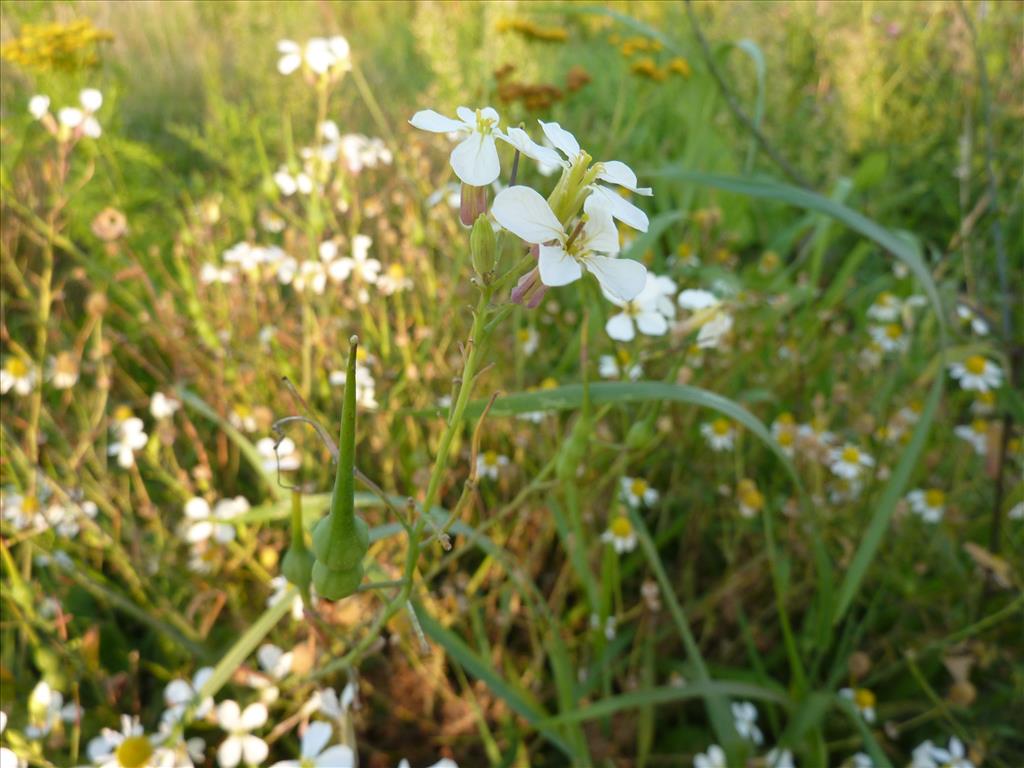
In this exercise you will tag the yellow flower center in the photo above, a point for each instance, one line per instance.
(491, 458)
(242, 411)
(361, 354)
(65, 363)
(720, 427)
(621, 528)
(934, 498)
(886, 299)
(549, 383)
(30, 504)
(684, 250)
(851, 455)
(523, 334)
(893, 331)
(987, 398)
(134, 752)
(122, 413)
(17, 368)
(979, 427)
(749, 496)
(786, 419)
(395, 271)
(638, 487)
(975, 364)
(864, 698)
(785, 437)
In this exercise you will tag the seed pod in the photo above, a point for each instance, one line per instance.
(483, 247)
(336, 584)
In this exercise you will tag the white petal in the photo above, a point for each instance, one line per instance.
(557, 267)
(177, 692)
(289, 62)
(623, 277)
(255, 749)
(475, 160)
(599, 233)
(229, 753)
(521, 140)
(615, 172)
(315, 739)
(695, 298)
(523, 212)
(339, 756)
(197, 508)
(91, 99)
(652, 323)
(200, 531)
(429, 120)
(288, 46)
(254, 716)
(620, 327)
(561, 139)
(228, 715)
(621, 209)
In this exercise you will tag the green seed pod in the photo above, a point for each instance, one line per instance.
(640, 435)
(334, 585)
(297, 567)
(483, 247)
(343, 546)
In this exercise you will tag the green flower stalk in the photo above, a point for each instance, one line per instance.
(341, 540)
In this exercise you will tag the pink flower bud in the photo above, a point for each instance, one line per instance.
(474, 203)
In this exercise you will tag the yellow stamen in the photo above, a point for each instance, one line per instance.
(934, 498)
(638, 488)
(621, 528)
(851, 455)
(17, 368)
(864, 699)
(975, 364)
(721, 427)
(134, 752)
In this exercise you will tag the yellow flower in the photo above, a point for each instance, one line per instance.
(680, 66)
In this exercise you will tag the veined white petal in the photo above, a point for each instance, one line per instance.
(524, 213)
(652, 323)
(599, 233)
(475, 160)
(429, 120)
(557, 267)
(467, 116)
(615, 172)
(561, 139)
(621, 208)
(521, 140)
(620, 327)
(623, 277)
(315, 739)
(490, 113)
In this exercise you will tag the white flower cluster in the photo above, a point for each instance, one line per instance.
(71, 123)
(317, 57)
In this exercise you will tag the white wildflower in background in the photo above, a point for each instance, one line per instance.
(927, 755)
(18, 375)
(162, 406)
(975, 433)
(608, 367)
(528, 340)
(45, 711)
(969, 317)
(21, 512)
(281, 587)
(929, 505)
(749, 499)
(719, 434)
(8, 759)
(281, 455)
(211, 273)
(977, 374)
(524, 213)
(713, 758)
(289, 185)
(180, 693)
(890, 337)
(620, 535)
(777, 758)
(319, 55)
(240, 745)
(648, 312)
(863, 701)
(696, 299)
(744, 715)
(332, 706)
(886, 308)
(861, 760)
(490, 463)
(366, 385)
(39, 106)
(444, 762)
(475, 158)
(203, 523)
(636, 492)
(63, 371)
(394, 280)
(849, 462)
(242, 417)
(784, 430)
(91, 100)
(1016, 512)
(129, 437)
(312, 752)
(127, 748)
(359, 265)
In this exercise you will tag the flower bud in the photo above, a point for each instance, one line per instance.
(529, 291)
(473, 203)
(483, 247)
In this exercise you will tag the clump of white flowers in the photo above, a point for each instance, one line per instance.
(71, 123)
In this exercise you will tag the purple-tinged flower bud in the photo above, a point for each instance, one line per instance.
(529, 291)
(474, 203)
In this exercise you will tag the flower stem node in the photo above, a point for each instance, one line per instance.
(483, 248)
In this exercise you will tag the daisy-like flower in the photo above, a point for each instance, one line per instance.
(528, 340)
(203, 524)
(636, 492)
(609, 367)
(954, 756)
(490, 463)
(646, 312)
(713, 758)
(18, 375)
(620, 535)
(744, 716)
(180, 693)
(750, 500)
(969, 317)
(984, 403)
(45, 710)
(366, 386)
(127, 748)
(977, 374)
(929, 505)
(129, 437)
(784, 431)
(281, 455)
(886, 308)
(312, 752)
(608, 171)
(777, 758)
(563, 255)
(163, 406)
(475, 158)
(975, 433)
(359, 264)
(243, 418)
(889, 337)
(21, 511)
(63, 371)
(863, 701)
(849, 462)
(394, 280)
(241, 745)
(319, 55)
(719, 434)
